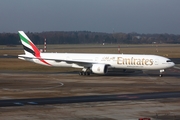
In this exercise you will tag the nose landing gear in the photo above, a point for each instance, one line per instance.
(161, 73)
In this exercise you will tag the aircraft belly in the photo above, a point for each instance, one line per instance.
(59, 64)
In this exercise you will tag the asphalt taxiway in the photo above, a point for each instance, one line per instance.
(92, 98)
(72, 97)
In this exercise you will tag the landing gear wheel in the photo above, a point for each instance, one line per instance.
(88, 73)
(80, 73)
(161, 73)
(84, 73)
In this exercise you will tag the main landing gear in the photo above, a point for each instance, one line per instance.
(85, 71)
(161, 73)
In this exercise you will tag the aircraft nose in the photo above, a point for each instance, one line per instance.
(172, 64)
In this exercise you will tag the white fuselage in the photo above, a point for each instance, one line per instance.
(121, 61)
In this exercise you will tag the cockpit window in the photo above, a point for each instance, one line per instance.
(168, 61)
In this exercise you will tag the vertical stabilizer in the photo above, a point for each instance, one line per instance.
(31, 51)
(29, 48)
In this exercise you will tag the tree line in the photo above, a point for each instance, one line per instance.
(83, 37)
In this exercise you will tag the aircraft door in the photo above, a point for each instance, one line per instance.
(156, 62)
(96, 59)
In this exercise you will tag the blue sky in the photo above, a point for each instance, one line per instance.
(141, 16)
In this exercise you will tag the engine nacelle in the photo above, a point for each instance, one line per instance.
(99, 68)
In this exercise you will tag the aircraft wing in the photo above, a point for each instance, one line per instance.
(77, 62)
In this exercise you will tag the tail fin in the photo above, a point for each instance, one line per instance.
(29, 48)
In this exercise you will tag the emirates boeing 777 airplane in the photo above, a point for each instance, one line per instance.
(93, 63)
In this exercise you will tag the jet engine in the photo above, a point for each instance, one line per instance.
(99, 68)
